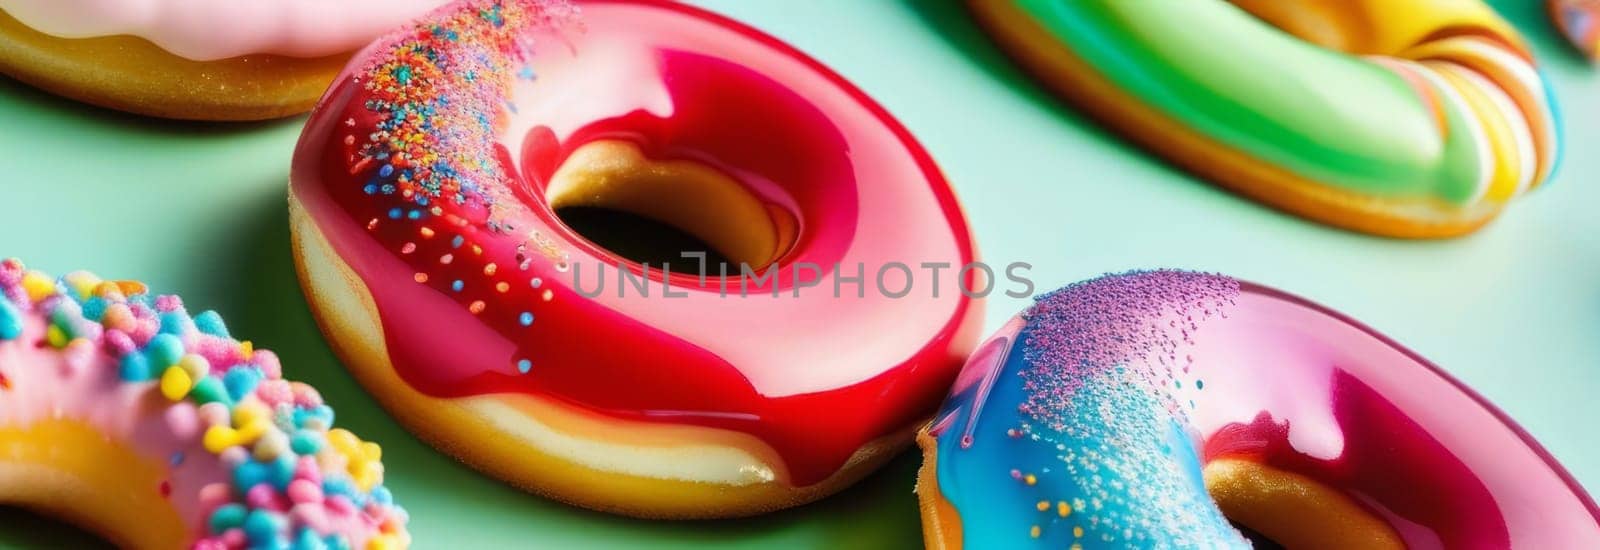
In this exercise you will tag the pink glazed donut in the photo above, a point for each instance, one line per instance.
(423, 199)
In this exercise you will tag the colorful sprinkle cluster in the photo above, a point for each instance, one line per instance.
(1082, 439)
(433, 115)
(1131, 325)
(294, 482)
(1104, 362)
(423, 147)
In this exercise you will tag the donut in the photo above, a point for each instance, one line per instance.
(1151, 409)
(1399, 118)
(1579, 21)
(422, 202)
(121, 412)
(191, 59)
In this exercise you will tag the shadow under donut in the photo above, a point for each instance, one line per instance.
(950, 20)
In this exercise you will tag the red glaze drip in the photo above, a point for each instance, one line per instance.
(816, 377)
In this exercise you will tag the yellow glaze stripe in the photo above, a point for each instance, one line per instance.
(1514, 77)
(1380, 27)
(1504, 174)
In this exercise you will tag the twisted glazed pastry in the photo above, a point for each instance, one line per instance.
(121, 412)
(1408, 118)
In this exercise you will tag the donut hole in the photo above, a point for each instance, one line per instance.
(1257, 540)
(641, 239)
(767, 165)
(21, 527)
(652, 212)
(1280, 509)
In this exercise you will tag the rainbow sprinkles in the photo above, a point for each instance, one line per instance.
(423, 145)
(437, 95)
(284, 476)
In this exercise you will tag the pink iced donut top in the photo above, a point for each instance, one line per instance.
(205, 30)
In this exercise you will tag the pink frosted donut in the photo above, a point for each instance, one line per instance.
(122, 413)
(208, 30)
(191, 59)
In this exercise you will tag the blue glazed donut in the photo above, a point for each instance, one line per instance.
(1182, 410)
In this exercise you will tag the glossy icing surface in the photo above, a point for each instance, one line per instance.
(467, 240)
(1461, 117)
(205, 30)
(1088, 419)
(241, 455)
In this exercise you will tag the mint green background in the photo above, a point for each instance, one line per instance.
(199, 209)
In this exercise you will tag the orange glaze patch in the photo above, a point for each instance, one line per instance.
(941, 523)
